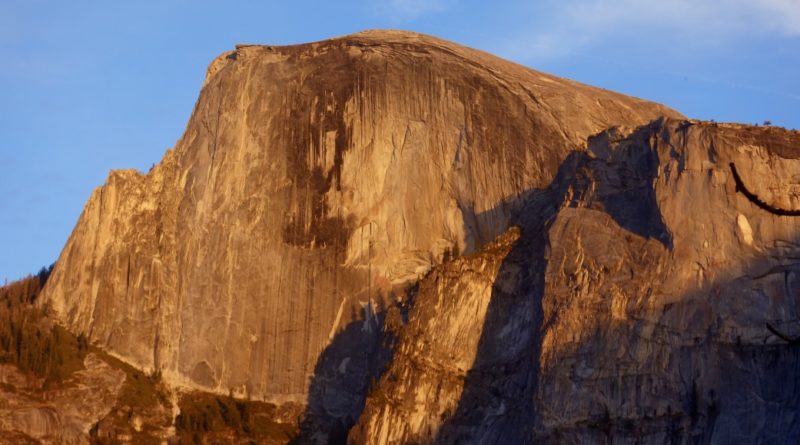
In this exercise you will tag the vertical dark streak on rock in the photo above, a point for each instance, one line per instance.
(215, 139)
(309, 121)
(156, 338)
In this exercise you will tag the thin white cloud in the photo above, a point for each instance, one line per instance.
(410, 9)
(784, 15)
(566, 27)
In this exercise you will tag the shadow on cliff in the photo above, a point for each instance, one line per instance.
(625, 192)
(685, 375)
(498, 390)
(344, 371)
(496, 405)
(693, 386)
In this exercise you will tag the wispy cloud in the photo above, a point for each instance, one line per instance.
(784, 15)
(411, 9)
(565, 27)
(697, 78)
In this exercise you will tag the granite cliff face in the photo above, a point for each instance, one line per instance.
(588, 269)
(643, 300)
(311, 182)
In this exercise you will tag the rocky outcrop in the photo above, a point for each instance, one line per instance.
(440, 246)
(30, 413)
(639, 303)
(313, 186)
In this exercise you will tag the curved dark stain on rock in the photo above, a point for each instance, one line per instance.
(740, 187)
(785, 337)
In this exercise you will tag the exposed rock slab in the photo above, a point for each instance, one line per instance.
(312, 182)
(29, 414)
(633, 308)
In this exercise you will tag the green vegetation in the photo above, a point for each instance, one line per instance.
(140, 389)
(29, 340)
(142, 396)
(209, 418)
(39, 347)
(143, 412)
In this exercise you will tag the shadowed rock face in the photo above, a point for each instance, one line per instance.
(313, 182)
(631, 305)
(613, 277)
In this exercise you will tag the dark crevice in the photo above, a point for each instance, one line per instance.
(740, 187)
(787, 338)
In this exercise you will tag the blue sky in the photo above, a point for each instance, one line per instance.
(89, 86)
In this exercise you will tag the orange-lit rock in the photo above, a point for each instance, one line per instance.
(312, 181)
(339, 208)
(630, 310)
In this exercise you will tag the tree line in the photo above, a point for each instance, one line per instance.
(29, 340)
